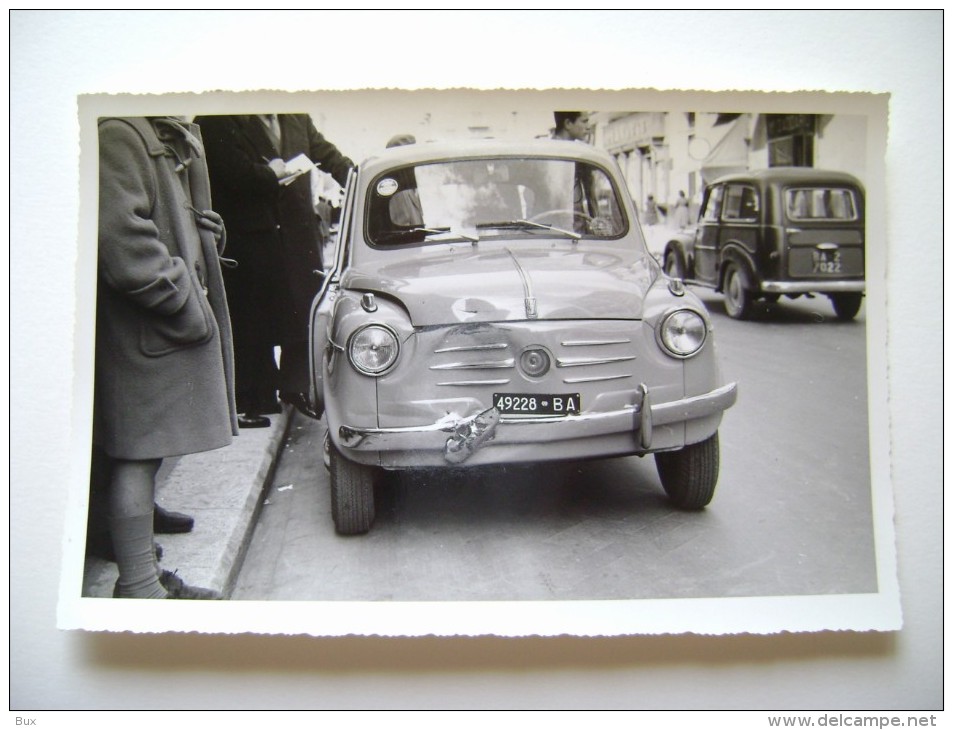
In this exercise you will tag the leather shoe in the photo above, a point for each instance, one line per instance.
(166, 522)
(175, 587)
(302, 403)
(178, 588)
(251, 421)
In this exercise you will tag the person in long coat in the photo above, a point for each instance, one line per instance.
(164, 383)
(274, 237)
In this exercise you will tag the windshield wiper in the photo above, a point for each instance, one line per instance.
(444, 230)
(520, 223)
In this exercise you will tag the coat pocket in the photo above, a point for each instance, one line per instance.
(192, 325)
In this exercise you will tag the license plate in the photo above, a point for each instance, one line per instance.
(523, 404)
(826, 262)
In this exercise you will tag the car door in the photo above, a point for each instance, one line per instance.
(707, 236)
(322, 306)
(740, 222)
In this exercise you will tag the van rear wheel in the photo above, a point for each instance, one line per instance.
(674, 266)
(846, 304)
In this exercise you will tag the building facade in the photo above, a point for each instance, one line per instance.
(662, 153)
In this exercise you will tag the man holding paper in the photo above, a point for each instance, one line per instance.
(258, 167)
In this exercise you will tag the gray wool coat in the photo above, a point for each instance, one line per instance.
(164, 383)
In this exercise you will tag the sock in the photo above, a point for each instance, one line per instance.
(136, 558)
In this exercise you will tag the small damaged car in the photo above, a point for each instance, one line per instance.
(792, 231)
(494, 303)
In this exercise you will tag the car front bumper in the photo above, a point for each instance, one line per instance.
(459, 437)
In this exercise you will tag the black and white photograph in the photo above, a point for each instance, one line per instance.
(504, 352)
(458, 359)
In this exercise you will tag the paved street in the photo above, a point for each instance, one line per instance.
(791, 516)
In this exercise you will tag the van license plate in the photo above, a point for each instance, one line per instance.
(826, 262)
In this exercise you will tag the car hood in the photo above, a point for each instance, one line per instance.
(441, 285)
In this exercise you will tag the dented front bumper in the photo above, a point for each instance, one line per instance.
(460, 437)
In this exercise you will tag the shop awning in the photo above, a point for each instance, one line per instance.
(730, 154)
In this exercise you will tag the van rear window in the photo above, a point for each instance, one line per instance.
(820, 203)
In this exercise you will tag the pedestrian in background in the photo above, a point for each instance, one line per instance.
(275, 239)
(399, 140)
(651, 216)
(404, 207)
(164, 370)
(572, 126)
(680, 210)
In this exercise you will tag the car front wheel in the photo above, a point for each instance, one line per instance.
(352, 494)
(738, 299)
(689, 475)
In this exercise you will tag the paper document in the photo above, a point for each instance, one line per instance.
(296, 167)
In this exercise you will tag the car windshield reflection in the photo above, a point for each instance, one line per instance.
(480, 199)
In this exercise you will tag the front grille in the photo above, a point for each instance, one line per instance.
(493, 360)
(592, 354)
(487, 357)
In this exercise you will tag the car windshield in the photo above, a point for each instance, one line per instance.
(478, 199)
(820, 203)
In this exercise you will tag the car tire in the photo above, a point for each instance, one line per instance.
(846, 304)
(689, 475)
(352, 494)
(738, 299)
(674, 266)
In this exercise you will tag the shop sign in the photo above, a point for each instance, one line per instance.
(634, 130)
(783, 125)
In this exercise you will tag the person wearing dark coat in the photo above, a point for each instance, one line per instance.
(274, 237)
(164, 383)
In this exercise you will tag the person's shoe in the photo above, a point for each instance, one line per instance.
(166, 522)
(252, 421)
(301, 403)
(178, 588)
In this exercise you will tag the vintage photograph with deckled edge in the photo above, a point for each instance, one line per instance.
(515, 363)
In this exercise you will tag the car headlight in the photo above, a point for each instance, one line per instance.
(373, 349)
(683, 332)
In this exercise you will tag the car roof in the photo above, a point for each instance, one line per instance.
(423, 152)
(791, 175)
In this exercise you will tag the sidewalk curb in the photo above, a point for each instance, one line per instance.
(237, 545)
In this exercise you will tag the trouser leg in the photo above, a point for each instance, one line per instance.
(256, 378)
(293, 375)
